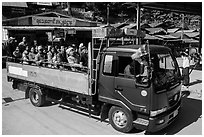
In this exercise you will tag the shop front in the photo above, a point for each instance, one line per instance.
(49, 28)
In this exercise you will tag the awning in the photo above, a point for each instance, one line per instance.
(190, 41)
(193, 34)
(180, 7)
(179, 34)
(173, 30)
(15, 4)
(149, 37)
(130, 26)
(155, 30)
(166, 36)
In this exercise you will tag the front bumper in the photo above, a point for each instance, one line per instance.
(154, 124)
(167, 118)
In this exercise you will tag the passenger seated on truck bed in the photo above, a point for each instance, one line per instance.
(25, 56)
(72, 59)
(32, 54)
(40, 56)
(84, 56)
(52, 56)
(17, 55)
(61, 57)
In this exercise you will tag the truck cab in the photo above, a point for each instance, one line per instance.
(152, 100)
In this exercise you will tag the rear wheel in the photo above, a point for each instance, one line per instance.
(120, 119)
(36, 97)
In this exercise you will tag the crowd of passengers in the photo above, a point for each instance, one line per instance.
(53, 56)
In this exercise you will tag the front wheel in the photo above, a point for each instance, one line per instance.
(120, 119)
(36, 97)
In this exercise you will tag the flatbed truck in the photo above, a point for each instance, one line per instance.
(104, 90)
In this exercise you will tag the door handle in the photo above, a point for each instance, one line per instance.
(119, 89)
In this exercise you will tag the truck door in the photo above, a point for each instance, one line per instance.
(125, 87)
(106, 76)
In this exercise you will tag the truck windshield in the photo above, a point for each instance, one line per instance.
(166, 72)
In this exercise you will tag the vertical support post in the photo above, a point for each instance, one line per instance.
(200, 37)
(138, 22)
(52, 36)
(90, 65)
(108, 19)
(108, 25)
(183, 25)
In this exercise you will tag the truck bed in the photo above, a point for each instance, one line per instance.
(62, 79)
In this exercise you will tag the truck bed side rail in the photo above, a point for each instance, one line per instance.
(45, 63)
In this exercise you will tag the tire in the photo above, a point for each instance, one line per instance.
(36, 97)
(120, 119)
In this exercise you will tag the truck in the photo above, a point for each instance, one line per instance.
(148, 102)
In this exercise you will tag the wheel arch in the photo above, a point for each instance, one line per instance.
(108, 103)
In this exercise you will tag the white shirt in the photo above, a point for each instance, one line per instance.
(186, 62)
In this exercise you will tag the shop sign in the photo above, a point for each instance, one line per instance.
(134, 32)
(45, 3)
(53, 21)
(107, 32)
(70, 31)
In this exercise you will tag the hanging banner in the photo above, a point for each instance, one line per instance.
(59, 33)
(53, 21)
(70, 31)
(4, 34)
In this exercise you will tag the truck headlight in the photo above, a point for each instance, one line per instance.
(156, 112)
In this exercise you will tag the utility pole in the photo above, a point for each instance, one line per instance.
(138, 22)
(108, 24)
(200, 37)
(108, 14)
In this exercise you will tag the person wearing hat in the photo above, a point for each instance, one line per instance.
(185, 69)
(72, 59)
(40, 56)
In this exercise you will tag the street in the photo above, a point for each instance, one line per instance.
(20, 117)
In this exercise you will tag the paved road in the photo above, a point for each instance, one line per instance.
(20, 117)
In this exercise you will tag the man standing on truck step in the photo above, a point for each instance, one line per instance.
(40, 56)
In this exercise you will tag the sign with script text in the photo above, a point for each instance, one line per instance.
(53, 21)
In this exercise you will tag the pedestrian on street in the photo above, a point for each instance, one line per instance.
(185, 69)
